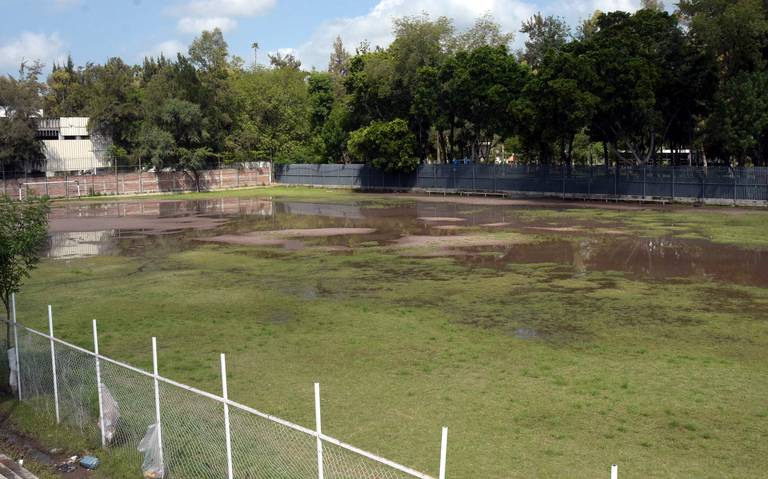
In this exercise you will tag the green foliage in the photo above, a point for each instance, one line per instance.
(20, 100)
(634, 83)
(386, 145)
(23, 231)
(544, 34)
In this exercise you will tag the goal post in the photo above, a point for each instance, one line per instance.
(64, 188)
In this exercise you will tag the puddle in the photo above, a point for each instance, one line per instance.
(478, 233)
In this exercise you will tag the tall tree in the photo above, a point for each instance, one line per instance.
(543, 34)
(20, 99)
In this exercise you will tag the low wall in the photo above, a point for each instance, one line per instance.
(136, 183)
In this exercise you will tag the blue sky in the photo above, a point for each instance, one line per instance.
(94, 30)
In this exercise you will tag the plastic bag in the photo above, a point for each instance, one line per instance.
(111, 413)
(153, 460)
(13, 378)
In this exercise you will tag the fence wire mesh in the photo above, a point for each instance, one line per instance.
(341, 463)
(36, 375)
(264, 449)
(192, 422)
(78, 397)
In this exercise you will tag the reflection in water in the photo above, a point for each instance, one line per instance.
(79, 244)
(137, 227)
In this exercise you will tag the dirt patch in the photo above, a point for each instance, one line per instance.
(287, 239)
(441, 219)
(319, 232)
(455, 241)
(496, 225)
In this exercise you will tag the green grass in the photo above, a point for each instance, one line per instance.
(292, 192)
(656, 377)
(537, 371)
(742, 227)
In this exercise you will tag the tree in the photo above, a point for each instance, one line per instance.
(485, 32)
(544, 34)
(642, 75)
(338, 64)
(555, 106)
(23, 231)
(735, 31)
(287, 61)
(385, 145)
(20, 99)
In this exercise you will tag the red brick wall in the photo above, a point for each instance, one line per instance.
(138, 183)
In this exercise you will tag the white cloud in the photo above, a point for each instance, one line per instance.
(168, 48)
(31, 46)
(376, 25)
(197, 25)
(227, 8)
(199, 15)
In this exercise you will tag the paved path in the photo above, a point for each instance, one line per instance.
(9, 469)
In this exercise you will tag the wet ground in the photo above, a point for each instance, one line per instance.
(487, 233)
(554, 338)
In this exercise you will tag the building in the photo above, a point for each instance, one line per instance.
(69, 148)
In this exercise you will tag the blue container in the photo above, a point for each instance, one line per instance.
(89, 462)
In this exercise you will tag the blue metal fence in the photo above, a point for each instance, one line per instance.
(684, 183)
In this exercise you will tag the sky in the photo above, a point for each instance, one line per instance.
(95, 30)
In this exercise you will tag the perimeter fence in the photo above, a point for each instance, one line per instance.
(184, 432)
(131, 180)
(723, 185)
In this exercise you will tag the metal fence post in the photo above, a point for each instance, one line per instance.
(614, 471)
(644, 166)
(734, 185)
(563, 175)
(319, 429)
(227, 431)
(673, 183)
(157, 401)
(98, 384)
(53, 365)
(443, 452)
(16, 345)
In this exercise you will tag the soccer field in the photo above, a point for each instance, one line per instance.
(553, 339)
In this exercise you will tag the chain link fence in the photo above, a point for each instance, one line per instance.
(717, 185)
(201, 435)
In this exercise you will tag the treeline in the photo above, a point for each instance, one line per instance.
(650, 87)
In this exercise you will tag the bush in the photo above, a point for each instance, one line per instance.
(388, 145)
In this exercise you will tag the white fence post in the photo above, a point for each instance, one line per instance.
(443, 452)
(614, 471)
(98, 384)
(157, 401)
(53, 365)
(16, 345)
(227, 432)
(319, 429)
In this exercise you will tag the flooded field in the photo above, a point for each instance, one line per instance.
(490, 234)
(552, 338)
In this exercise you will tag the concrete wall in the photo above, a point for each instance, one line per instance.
(134, 183)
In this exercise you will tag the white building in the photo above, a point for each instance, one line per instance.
(69, 148)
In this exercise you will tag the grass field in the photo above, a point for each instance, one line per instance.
(539, 370)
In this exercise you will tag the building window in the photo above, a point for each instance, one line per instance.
(70, 137)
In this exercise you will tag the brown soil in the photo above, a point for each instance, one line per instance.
(441, 219)
(285, 238)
